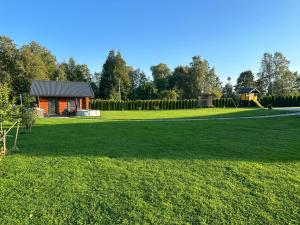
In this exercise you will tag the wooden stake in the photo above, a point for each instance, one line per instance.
(4, 142)
(16, 137)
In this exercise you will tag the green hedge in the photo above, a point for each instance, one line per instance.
(281, 101)
(189, 104)
(142, 104)
(155, 104)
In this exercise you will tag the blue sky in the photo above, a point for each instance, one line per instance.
(231, 34)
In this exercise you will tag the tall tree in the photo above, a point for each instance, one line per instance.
(228, 89)
(138, 78)
(213, 84)
(75, 72)
(203, 78)
(115, 74)
(297, 86)
(245, 79)
(180, 80)
(275, 77)
(8, 59)
(38, 61)
(286, 85)
(147, 90)
(161, 74)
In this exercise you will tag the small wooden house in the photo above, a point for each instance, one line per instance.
(61, 97)
(206, 100)
(249, 94)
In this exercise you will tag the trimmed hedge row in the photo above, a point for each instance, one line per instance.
(100, 104)
(107, 105)
(143, 104)
(281, 101)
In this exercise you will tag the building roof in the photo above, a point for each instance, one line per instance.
(49, 88)
(248, 90)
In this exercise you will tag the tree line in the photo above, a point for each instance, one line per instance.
(273, 79)
(119, 81)
(19, 66)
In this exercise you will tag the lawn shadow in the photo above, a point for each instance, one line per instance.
(259, 140)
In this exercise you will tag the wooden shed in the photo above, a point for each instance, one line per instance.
(61, 97)
(249, 94)
(206, 100)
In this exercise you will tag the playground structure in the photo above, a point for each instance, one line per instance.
(250, 94)
(248, 97)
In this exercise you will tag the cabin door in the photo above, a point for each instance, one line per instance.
(53, 106)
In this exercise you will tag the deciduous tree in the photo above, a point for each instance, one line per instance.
(161, 74)
(245, 79)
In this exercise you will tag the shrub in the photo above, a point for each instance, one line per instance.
(28, 118)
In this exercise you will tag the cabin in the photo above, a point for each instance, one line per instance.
(61, 97)
(249, 94)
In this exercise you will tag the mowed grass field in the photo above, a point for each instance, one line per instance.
(117, 170)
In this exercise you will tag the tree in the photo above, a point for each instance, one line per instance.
(95, 81)
(138, 78)
(37, 63)
(74, 72)
(146, 91)
(213, 84)
(275, 77)
(246, 79)
(198, 69)
(228, 89)
(266, 74)
(161, 74)
(169, 95)
(297, 86)
(115, 75)
(10, 65)
(180, 80)
(203, 79)
(286, 85)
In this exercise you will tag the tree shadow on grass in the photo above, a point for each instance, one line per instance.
(260, 140)
(263, 140)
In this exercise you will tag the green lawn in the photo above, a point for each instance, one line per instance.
(80, 171)
(187, 113)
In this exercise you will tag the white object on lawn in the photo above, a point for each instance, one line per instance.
(84, 112)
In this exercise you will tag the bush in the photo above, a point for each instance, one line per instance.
(28, 118)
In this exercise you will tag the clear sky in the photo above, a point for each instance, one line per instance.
(231, 34)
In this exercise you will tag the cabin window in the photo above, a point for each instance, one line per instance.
(73, 104)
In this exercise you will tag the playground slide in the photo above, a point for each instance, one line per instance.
(258, 103)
